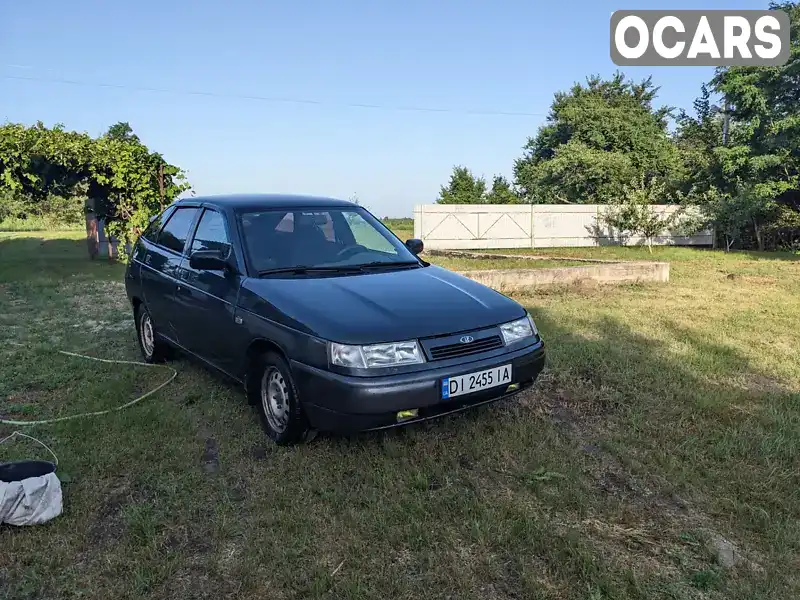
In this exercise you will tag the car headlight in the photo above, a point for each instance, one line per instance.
(518, 330)
(376, 355)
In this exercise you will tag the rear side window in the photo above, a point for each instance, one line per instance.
(211, 233)
(324, 221)
(175, 232)
(286, 224)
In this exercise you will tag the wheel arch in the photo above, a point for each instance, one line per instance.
(259, 347)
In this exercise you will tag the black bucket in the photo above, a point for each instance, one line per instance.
(25, 469)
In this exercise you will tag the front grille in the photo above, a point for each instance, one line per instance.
(456, 350)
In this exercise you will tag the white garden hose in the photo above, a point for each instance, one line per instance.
(100, 412)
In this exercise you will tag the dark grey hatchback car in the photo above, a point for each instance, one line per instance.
(329, 321)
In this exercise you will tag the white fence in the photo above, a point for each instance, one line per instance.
(478, 226)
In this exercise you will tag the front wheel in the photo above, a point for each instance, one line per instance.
(275, 396)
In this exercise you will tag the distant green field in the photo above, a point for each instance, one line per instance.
(402, 228)
(36, 224)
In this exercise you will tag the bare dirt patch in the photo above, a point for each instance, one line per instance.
(107, 524)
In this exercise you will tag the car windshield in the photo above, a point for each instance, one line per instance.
(325, 239)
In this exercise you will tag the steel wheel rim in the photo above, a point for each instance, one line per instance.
(146, 335)
(275, 399)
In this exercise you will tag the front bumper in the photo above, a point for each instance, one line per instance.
(344, 404)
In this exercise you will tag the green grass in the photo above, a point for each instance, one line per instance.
(37, 224)
(666, 412)
(404, 234)
(402, 228)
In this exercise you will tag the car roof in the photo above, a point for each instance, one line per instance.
(240, 202)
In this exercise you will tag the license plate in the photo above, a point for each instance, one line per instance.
(475, 382)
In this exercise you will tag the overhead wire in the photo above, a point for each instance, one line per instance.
(272, 99)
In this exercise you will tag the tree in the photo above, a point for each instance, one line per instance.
(697, 139)
(43, 171)
(598, 138)
(131, 184)
(122, 132)
(50, 172)
(501, 192)
(463, 188)
(761, 159)
(634, 213)
(730, 215)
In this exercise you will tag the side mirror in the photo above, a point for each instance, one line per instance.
(208, 260)
(415, 246)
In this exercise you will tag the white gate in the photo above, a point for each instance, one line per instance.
(480, 226)
(453, 226)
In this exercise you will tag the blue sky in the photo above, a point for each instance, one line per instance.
(462, 56)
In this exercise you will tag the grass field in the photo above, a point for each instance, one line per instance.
(668, 416)
(403, 228)
(36, 224)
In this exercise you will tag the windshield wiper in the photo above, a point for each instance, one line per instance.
(303, 270)
(383, 263)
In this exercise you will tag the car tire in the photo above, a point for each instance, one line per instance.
(274, 394)
(153, 350)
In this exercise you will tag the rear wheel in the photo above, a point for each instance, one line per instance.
(153, 350)
(275, 396)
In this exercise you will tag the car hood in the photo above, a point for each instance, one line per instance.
(381, 306)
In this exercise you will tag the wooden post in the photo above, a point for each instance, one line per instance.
(113, 244)
(102, 238)
(533, 225)
(91, 235)
(108, 244)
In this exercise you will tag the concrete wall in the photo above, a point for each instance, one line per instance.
(516, 280)
(477, 226)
